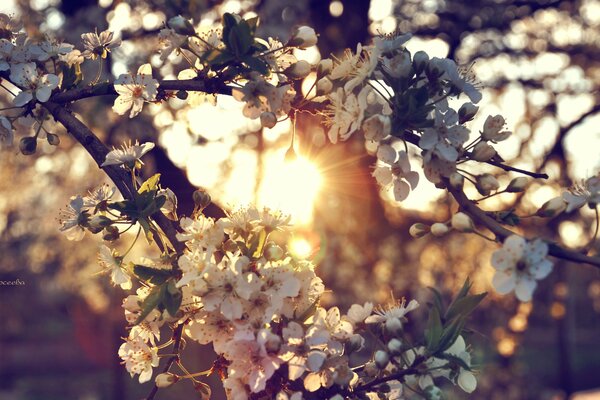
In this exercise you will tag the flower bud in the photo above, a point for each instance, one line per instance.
(395, 346)
(165, 380)
(466, 112)
(324, 86)
(377, 127)
(99, 222)
(433, 393)
(517, 184)
(552, 208)
(462, 222)
(420, 60)
(230, 246)
(483, 152)
(324, 67)
(28, 145)
(393, 326)
(298, 70)
(355, 343)
(492, 129)
(111, 233)
(457, 180)
(438, 229)
(169, 208)
(304, 37)
(273, 252)
(382, 359)
(370, 369)
(418, 230)
(486, 183)
(181, 26)
(201, 199)
(268, 119)
(182, 94)
(53, 139)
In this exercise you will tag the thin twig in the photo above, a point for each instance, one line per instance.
(502, 233)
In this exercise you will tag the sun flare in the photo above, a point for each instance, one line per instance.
(291, 186)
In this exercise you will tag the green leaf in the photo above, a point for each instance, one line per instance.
(434, 330)
(256, 64)
(218, 58)
(455, 360)
(150, 184)
(71, 75)
(451, 333)
(465, 306)
(149, 303)
(240, 39)
(172, 298)
(258, 243)
(437, 300)
(253, 24)
(147, 230)
(229, 22)
(152, 275)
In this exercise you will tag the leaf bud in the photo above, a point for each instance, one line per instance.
(418, 230)
(462, 222)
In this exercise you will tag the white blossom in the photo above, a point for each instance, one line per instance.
(519, 265)
(139, 358)
(134, 90)
(127, 154)
(33, 85)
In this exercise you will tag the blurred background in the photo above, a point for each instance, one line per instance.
(539, 65)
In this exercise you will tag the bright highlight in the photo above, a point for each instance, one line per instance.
(291, 187)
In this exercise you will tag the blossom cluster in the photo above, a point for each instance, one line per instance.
(259, 307)
(392, 96)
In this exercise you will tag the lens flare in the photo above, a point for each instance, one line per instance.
(291, 186)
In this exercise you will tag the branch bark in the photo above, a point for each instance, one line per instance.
(108, 88)
(502, 233)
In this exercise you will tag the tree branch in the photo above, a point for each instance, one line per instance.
(502, 233)
(177, 333)
(118, 175)
(107, 88)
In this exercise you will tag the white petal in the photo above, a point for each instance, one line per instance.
(387, 154)
(145, 69)
(503, 283)
(541, 269)
(22, 98)
(43, 94)
(401, 190)
(122, 105)
(467, 381)
(525, 288)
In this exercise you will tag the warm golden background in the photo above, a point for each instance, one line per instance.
(539, 62)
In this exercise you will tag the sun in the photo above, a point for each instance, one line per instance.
(291, 186)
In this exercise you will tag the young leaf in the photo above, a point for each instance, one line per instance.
(172, 298)
(150, 184)
(151, 275)
(149, 303)
(463, 307)
(434, 330)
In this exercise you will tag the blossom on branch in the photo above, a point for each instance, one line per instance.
(519, 265)
(128, 154)
(134, 90)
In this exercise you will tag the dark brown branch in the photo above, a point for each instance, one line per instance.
(118, 175)
(107, 88)
(177, 333)
(480, 217)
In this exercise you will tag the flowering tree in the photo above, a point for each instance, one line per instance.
(231, 282)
